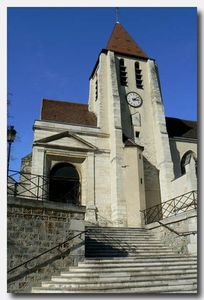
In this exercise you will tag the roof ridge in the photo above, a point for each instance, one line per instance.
(181, 119)
(65, 101)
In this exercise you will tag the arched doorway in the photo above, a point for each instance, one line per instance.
(64, 184)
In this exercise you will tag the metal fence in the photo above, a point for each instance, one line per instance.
(27, 185)
(171, 207)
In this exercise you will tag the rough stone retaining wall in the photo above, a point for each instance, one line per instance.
(182, 223)
(34, 227)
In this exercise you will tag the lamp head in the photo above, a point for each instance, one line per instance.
(11, 134)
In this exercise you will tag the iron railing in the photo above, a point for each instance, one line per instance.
(176, 232)
(33, 186)
(171, 207)
(27, 185)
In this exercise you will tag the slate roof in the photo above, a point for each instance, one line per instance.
(181, 128)
(120, 41)
(67, 112)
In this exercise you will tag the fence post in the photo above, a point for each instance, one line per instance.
(194, 200)
(38, 187)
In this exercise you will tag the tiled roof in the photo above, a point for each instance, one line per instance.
(120, 41)
(181, 128)
(67, 112)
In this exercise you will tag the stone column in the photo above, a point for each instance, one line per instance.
(91, 206)
(38, 185)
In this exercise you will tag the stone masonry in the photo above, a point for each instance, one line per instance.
(34, 227)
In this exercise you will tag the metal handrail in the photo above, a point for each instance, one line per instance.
(170, 207)
(49, 250)
(176, 232)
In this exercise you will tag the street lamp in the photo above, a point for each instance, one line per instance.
(11, 134)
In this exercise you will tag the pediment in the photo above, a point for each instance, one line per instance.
(65, 139)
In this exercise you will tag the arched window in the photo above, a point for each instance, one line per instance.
(64, 184)
(187, 159)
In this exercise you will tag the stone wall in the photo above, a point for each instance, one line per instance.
(185, 223)
(34, 227)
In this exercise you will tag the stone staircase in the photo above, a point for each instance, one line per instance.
(126, 260)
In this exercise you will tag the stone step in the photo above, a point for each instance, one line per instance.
(126, 246)
(118, 255)
(121, 279)
(138, 259)
(122, 290)
(119, 235)
(106, 252)
(125, 231)
(122, 238)
(125, 241)
(172, 256)
(64, 285)
(125, 260)
(131, 243)
(116, 229)
(136, 264)
(133, 273)
(131, 269)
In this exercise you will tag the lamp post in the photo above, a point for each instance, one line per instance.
(11, 134)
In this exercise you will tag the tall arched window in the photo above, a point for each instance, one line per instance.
(64, 184)
(187, 159)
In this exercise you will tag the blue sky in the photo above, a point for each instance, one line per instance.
(52, 51)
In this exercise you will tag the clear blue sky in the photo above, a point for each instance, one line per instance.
(52, 51)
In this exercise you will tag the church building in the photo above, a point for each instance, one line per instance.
(119, 154)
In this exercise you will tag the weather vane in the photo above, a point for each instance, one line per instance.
(117, 14)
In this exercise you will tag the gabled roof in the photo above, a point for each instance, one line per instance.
(120, 41)
(69, 142)
(181, 128)
(67, 112)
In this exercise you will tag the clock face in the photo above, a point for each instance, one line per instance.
(134, 99)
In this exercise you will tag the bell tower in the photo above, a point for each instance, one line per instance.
(125, 95)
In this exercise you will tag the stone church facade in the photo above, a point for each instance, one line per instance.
(119, 154)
